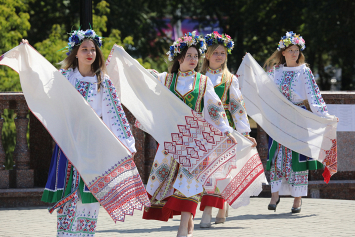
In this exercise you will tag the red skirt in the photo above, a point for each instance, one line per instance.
(212, 201)
(174, 205)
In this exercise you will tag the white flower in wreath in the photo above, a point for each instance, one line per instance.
(282, 45)
(81, 35)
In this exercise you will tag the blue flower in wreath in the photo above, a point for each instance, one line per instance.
(182, 45)
(187, 40)
(209, 41)
(223, 39)
(97, 39)
(89, 33)
(75, 39)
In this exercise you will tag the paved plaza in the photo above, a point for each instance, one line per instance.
(319, 217)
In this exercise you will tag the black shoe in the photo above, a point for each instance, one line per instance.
(273, 206)
(296, 209)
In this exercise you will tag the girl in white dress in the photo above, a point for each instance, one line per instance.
(289, 169)
(226, 87)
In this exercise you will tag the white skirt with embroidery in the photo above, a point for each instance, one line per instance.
(283, 179)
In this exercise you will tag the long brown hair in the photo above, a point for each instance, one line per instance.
(206, 63)
(98, 66)
(277, 59)
(175, 65)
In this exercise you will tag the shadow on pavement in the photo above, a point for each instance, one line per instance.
(270, 216)
(123, 231)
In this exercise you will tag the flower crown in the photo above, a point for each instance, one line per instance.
(186, 41)
(216, 38)
(291, 39)
(77, 37)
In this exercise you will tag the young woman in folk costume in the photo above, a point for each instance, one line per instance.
(289, 169)
(226, 87)
(197, 91)
(85, 69)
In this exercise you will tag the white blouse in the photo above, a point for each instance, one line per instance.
(298, 84)
(104, 102)
(238, 111)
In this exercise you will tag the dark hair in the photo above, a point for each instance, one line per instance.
(175, 65)
(98, 66)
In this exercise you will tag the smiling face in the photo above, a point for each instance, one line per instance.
(291, 55)
(217, 58)
(86, 53)
(190, 61)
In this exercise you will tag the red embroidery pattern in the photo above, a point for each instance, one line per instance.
(285, 84)
(219, 70)
(120, 190)
(242, 181)
(185, 145)
(110, 56)
(330, 160)
(185, 74)
(169, 79)
(205, 153)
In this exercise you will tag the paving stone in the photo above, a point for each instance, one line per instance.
(319, 217)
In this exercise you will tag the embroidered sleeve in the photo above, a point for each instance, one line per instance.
(154, 72)
(315, 100)
(271, 72)
(237, 108)
(66, 73)
(160, 76)
(114, 116)
(213, 110)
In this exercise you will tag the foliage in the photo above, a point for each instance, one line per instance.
(142, 20)
(13, 26)
(256, 26)
(51, 48)
(13, 23)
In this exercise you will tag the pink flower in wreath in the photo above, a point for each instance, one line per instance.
(216, 34)
(188, 38)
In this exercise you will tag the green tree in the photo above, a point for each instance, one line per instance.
(14, 24)
(53, 47)
(142, 20)
(46, 13)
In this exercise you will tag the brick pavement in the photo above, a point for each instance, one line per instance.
(319, 217)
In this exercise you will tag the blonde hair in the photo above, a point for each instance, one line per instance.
(277, 58)
(206, 63)
(98, 66)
